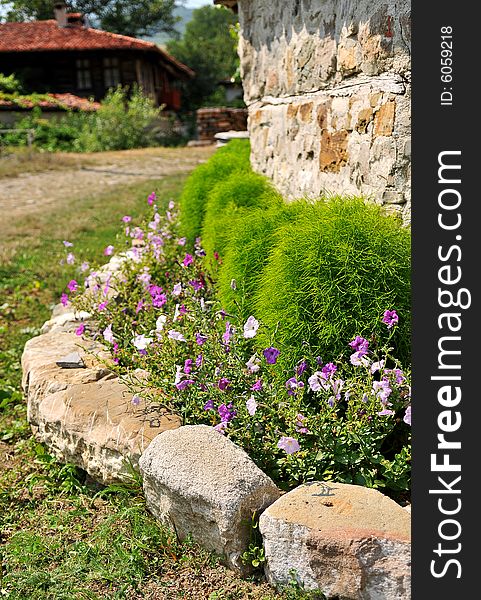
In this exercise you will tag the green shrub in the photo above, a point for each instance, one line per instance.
(121, 122)
(247, 253)
(10, 84)
(234, 156)
(229, 203)
(330, 276)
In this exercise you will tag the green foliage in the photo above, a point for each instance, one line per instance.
(250, 244)
(331, 275)
(121, 122)
(9, 84)
(233, 157)
(228, 203)
(124, 120)
(137, 19)
(209, 48)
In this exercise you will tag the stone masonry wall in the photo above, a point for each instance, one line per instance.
(215, 120)
(327, 85)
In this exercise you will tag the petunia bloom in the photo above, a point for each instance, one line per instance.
(152, 198)
(72, 285)
(407, 415)
(293, 385)
(80, 329)
(288, 444)
(251, 406)
(253, 364)
(250, 327)
(188, 260)
(200, 339)
(271, 354)
(390, 318)
(109, 250)
(175, 335)
(141, 342)
(64, 299)
(108, 335)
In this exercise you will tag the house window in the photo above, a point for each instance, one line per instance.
(84, 77)
(111, 72)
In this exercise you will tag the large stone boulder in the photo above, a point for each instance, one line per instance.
(200, 483)
(78, 407)
(350, 542)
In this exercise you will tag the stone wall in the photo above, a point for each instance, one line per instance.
(215, 120)
(327, 85)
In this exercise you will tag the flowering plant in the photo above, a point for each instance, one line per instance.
(154, 305)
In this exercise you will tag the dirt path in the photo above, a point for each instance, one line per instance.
(31, 192)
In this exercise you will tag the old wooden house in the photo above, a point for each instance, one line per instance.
(66, 55)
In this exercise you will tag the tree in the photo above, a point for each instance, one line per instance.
(208, 46)
(137, 19)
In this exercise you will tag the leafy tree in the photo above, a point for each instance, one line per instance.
(208, 46)
(137, 19)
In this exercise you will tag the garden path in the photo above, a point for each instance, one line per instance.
(74, 175)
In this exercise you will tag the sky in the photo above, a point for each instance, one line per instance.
(196, 3)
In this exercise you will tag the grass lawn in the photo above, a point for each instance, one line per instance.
(61, 535)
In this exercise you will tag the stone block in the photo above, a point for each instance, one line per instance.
(200, 483)
(333, 152)
(348, 541)
(384, 119)
(85, 416)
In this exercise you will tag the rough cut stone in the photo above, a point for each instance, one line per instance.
(350, 542)
(199, 482)
(85, 415)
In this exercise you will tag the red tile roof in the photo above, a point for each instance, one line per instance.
(42, 36)
(58, 101)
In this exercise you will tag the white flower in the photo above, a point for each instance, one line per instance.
(177, 289)
(175, 335)
(108, 335)
(250, 327)
(357, 359)
(253, 364)
(141, 342)
(178, 374)
(251, 406)
(160, 323)
(377, 366)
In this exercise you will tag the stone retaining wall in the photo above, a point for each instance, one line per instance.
(328, 90)
(215, 120)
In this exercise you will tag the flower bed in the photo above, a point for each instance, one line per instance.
(344, 416)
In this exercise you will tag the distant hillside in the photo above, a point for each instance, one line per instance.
(179, 11)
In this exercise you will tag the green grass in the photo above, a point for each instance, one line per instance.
(61, 535)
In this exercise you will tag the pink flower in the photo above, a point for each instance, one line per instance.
(80, 329)
(108, 335)
(72, 285)
(288, 444)
(152, 198)
(188, 260)
(64, 299)
(109, 250)
(67, 244)
(390, 318)
(251, 406)
(126, 219)
(70, 259)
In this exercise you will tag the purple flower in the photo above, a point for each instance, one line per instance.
(407, 415)
(250, 327)
(226, 412)
(257, 386)
(136, 400)
(181, 241)
(229, 330)
(300, 424)
(390, 318)
(317, 382)
(209, 405)
(80, 329)
(196, 284)
(175, 335)
(177, 289)
(188, 366)
(70, 259)
(251, 406)
(385, 412)
(64, 299)
(84, 266)
(102, 306)
(301, 367)
(292, 385)
(199, 360)
(288, 444)
(271, 354)
(140, 306)
(328, 370)
(358, 358)
(359, 344)
(152, 198)
(72, 285)
(200, 339)
(158, 298)
(126, 219)
(109, 250)
(67, 244)
(188, 260)
(183, 384)
(382, 390)
(223, 384)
